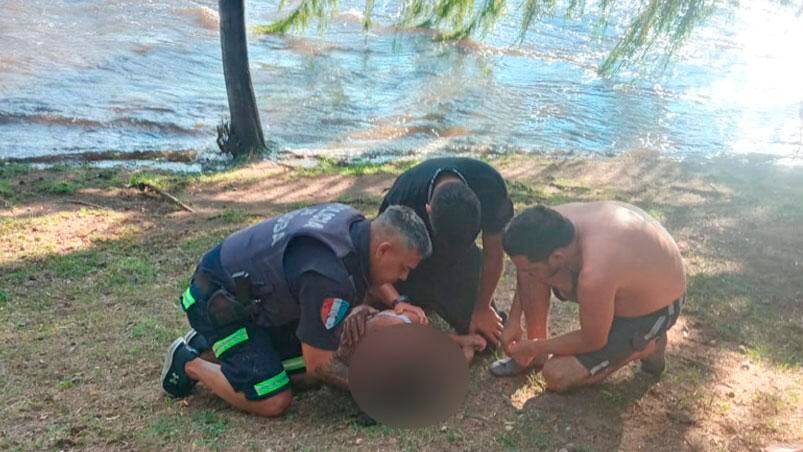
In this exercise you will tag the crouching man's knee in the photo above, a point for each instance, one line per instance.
(562, 374)
(274, 406)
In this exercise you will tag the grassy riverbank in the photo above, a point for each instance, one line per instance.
(90, 271)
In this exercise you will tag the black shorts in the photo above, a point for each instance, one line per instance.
(629, 335)
(449, 285)
(256, 361)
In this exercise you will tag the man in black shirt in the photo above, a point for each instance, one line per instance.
(269, 301)
(457, 198)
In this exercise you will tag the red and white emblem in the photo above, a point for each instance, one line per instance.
(333, 311)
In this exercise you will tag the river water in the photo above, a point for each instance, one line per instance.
(134, 75)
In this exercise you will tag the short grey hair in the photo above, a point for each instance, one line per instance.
(406, 223)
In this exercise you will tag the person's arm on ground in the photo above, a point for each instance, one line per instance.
(324, 366)
(484, 319)
(324, 302)
(535, 298)
(596, 299)
(532, 299)
(513, 330)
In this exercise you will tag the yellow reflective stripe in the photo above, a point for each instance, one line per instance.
(293, 363)
(229, 341)
(187, 299)
(272, 384)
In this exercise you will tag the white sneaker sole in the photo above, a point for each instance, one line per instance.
(190, 335)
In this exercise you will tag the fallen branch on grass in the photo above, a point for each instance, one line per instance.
(143, 186)
(85, 203)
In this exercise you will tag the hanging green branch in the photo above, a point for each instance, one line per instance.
(667, 24)
(302, 15)
(656, 27)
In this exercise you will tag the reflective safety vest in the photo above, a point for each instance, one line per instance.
(259, 251)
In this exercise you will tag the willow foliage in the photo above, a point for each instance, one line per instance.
(651, 27)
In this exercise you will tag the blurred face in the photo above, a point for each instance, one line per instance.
(392, 261)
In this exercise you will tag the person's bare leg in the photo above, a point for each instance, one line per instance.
(211, 376)
(655, 363)
(563, 373)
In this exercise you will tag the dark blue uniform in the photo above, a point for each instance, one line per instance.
(448, 281)
(258, 354)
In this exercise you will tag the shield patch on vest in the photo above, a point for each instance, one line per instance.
(333, 311)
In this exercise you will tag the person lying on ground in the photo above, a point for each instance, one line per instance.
(269, 301)
(365, 319)
(402, 373)
(619, 264)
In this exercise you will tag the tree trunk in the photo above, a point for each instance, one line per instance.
(243, 136)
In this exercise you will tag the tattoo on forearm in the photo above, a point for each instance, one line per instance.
(335, 374)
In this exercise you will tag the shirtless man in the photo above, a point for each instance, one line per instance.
(623, 269)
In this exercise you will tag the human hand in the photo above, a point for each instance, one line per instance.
(354, 325)
(521, 352)
(415, 313)
(513, 332)
(470, 344)
(472, 341)
(486, 321)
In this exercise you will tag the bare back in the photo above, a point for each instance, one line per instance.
(626, 246)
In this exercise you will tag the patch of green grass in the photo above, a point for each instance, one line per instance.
(132, 270)
(454, 437)
(508, 440)
(65, 384)
(740, 309)
(149, 329)
(536, 439)
(163, 181)
(218, 177)
(328, 166)
(165, 427)
(524, 193)
(212, 427)
(613, 397)
(3, 297)
(5, 190)
(52, 186)
(11, 170)
(197, 245)
(366, 204)
(230, 216)
(76, 265)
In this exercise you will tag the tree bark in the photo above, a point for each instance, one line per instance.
(243, 136)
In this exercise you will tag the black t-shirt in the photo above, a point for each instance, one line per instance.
(412, 189)
(322, 285)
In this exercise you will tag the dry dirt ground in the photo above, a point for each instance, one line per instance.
(90, 272)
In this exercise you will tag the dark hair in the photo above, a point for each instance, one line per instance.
(405, 222)
(536, 233)
(455, 214)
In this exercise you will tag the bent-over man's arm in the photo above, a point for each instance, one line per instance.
(596, 298)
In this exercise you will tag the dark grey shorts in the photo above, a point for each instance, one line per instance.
(629, 335)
